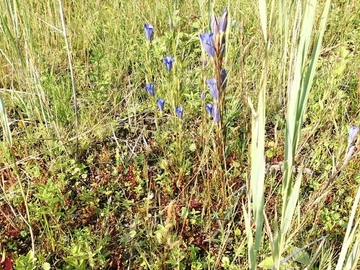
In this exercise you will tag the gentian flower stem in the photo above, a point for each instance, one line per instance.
(203, 102)
(148, 73)
(156, 120)
(214, 46)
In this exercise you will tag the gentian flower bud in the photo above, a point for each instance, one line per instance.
(149, 29)
(223, 78)
(224, 20)
(212, 83)
(208, 44)
(179, 111)
(215, 26)
(202, 95)
(168, 61)
(352, 134)
(216, 113)
(150, 88)
(349, 153)
(209, 109)
(160, 102)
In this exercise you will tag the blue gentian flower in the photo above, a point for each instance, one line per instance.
(160, 102)
(168, 61)
(224, 21)
(216, 113)
(209, 108)
(149, 29)
(213, 88)
(179, 111)
(208, 44)
(150, 87)
(223, 78)
(352, 134)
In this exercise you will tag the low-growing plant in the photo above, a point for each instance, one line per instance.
(179, 135)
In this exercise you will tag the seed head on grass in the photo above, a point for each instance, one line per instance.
(150, 87)
(168, 61)
(149, 30)
(208, 44)
(179, 111)
(160, 102)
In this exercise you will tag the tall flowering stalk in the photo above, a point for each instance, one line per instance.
(214, 43)
(150, 86)
(149, 32)
(173, 85)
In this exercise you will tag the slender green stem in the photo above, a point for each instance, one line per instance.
(68, 50)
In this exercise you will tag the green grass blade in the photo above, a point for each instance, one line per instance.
(349, 235)
(354, 255)
(299, 90)
(5, 123)
(291, 204)
(263, 18)
(250, 241)
(309, 77)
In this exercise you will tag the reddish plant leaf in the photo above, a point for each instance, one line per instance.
(8, 264)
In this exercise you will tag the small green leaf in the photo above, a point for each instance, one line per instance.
(302, 257)
(225, 262)
(196, 25)
(192, 147)
(46, 266)
(236, 164)
(132, 233)
(267, 263)
(184, 213)
(269, 153)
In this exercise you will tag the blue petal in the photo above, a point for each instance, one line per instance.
(168, 61)
(179, 111)
(207, 42)
(148, 31)
(151, 89)
(209, 108)
(160, 102)
(212, 83)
